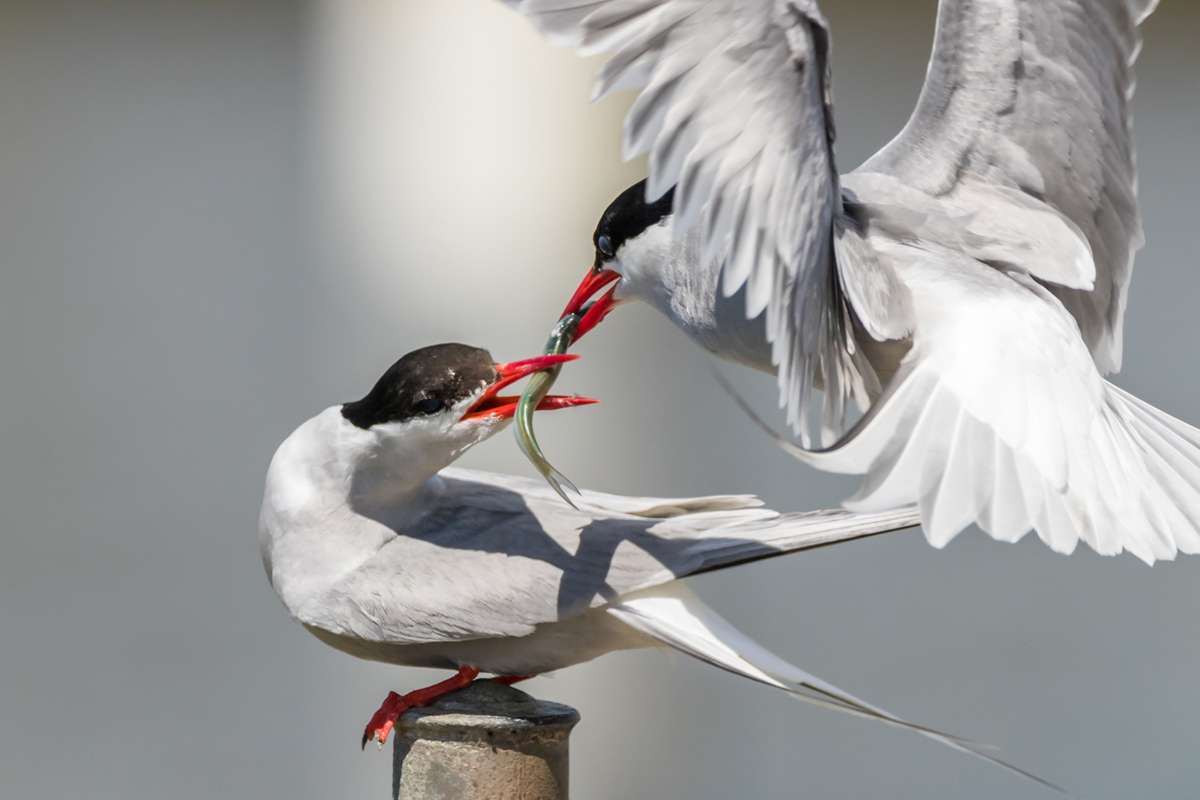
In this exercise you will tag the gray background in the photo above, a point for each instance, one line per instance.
(218, 217)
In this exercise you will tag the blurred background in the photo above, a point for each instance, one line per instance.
(219, 217)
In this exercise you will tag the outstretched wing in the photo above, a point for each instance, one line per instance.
(735, 112)
(1034, 96)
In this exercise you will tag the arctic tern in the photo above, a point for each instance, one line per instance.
(383, 551)
(940, 320)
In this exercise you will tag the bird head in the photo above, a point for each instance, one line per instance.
(633, 241)
(374, 457)
(436, 402)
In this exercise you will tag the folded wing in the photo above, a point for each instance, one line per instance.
(500, 555)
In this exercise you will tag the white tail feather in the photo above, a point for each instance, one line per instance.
(999, 417)
(1132, 484)
(673, 615)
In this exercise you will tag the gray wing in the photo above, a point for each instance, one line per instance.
(735, 111)
(499, 555)
(1033, 97)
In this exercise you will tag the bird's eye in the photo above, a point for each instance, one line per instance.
(430, 405)
(604, 246)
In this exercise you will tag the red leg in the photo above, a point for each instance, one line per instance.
(381, 724)
(509, 680)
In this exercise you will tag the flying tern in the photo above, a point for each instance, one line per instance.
(941, 319)
(383, 551)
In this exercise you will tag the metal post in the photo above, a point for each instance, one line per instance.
(485, 742)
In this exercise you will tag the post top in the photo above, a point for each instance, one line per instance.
(488, 706)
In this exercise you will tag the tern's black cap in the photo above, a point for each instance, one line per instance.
(627, 217)
(424, 382)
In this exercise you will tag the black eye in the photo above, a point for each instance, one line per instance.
(604, 246)
(430, 405)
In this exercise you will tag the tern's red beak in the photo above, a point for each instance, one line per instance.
(492, 404)
(593, 282)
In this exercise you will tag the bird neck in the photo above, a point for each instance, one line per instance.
(393, 483)
(326, 486)
(386, 465)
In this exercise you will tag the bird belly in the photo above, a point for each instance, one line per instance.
(735, 338)
(724, 331)
(884, 356)
(744, 341)
(552, 646)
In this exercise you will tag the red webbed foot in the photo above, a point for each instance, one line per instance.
(384, 720)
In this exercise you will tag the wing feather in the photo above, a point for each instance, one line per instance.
(1000, 417)
(1034, 96)
(735, 112)
(499, 555)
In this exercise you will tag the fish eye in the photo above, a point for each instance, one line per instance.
(430, 405)
(604, 246)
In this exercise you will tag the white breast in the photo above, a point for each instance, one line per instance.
(672, 277)
(305, 544)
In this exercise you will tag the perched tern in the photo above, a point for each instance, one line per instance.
(384, 552)
(941, 319)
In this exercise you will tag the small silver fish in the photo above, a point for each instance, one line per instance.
(539, 385)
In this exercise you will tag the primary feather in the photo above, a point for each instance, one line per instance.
(735, 112)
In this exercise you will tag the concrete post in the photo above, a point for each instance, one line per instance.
(485, 742)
